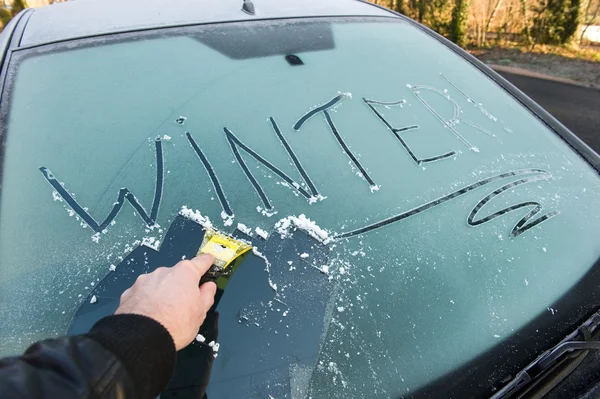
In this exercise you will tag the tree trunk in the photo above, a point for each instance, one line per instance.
(542, 24)
(482, 25)
(400, 6)
(507, 21)
(422, 5)
(526, 21)
(458, 24)
(590, 21)
(492, 15)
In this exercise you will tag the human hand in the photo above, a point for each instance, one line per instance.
(172, 297)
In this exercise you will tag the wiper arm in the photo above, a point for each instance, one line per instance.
(583, 339)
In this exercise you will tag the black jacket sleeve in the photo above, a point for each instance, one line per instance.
(124, 356)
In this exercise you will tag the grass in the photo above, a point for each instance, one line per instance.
(581, 64)
(588, 53)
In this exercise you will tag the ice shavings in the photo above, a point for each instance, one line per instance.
(56, 196)
(346, 94)
(112, 268)
(337, 374)
(265, 212)
(181, 120)
(96, 238)
(256, 252)
(196, 216)
(151, 242)
(304, 255)
(285, 226)
(374, 188)
(215, 347)
(166, 138)
(200, 338)
(272, 285)
(93, 300)
(261, 233)
(316, 198)
(244, 229)
(227, 219)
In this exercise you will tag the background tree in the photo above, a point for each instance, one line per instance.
(5, 16)
(18, 6)
(458, 24)
(526, 21)
(589, 18)
(527, 29)
(557, 21)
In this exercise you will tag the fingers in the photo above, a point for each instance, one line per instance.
(207, 295)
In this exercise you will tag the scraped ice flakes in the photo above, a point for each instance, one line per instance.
(256, 252)
(227, 219)
(244, 229)
(56, 196)
(196, 216)
(181, 120)
(286, 225)
(316, 198)
(200, 338)
(215, 347)
(93, 300)
(265, 212)
(151, 242)
(261, 233)
(166, 138)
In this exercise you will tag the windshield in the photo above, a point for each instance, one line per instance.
(436, 214)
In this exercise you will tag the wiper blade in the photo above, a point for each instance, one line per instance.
(583, 339)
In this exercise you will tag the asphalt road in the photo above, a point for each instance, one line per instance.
(577, 107)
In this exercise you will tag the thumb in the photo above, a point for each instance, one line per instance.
(202, 263)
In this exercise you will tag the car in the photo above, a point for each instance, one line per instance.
(420, 227)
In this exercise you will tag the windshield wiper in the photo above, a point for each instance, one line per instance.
(552, 366)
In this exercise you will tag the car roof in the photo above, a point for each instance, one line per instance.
(85, 18)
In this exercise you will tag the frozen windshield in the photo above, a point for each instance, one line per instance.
(434, 210)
